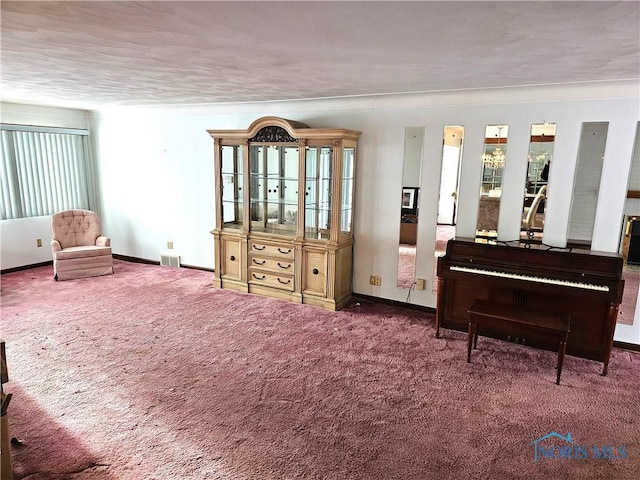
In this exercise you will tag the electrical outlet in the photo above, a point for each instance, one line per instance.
(170, 245)
(420, 283)
(375, 280)
(39, 242)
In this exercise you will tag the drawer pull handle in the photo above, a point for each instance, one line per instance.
(257, 277)
(284, 283)
(286, 267)
(282, 251)
(232, 258)
(259, 263)
(315, 271)
(259, 248)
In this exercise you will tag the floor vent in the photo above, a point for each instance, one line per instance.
(169, 260)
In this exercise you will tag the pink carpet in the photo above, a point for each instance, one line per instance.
(153, 374)
(627, 310)
(406, 265)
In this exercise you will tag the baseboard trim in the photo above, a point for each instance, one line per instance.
(193, 267)
(627, 346)
(127, 258)
(146, 261)
(27, 267)
(395, 303)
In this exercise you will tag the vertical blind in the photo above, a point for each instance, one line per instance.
(42, 170)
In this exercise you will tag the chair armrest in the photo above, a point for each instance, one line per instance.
(55, 246)
(103, 241)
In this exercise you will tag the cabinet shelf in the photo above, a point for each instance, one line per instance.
(274, 201)
(273, 177)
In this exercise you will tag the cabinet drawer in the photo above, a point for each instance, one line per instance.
(280, 266)
(271, 250)
(270, 279)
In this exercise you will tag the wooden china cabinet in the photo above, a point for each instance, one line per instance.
(284, 211)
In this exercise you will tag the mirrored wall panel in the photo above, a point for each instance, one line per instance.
(452, 141)
(586, 186)
(409, 202)
(535, 189)
(630, 241)
(449, 174)
(633, 190)
(493, 160)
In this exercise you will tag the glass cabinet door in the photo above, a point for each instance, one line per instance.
(317, 200)
(231, 181)
(274, 188)
(346, 205)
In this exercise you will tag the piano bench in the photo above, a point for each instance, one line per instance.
(513, 320)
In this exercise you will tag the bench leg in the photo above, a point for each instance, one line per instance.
(561, 350)
(470, 335)
(605, 366)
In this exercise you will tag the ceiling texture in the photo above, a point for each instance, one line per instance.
(95, 54)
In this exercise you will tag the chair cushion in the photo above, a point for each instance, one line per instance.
(74, 228)
(82, 252)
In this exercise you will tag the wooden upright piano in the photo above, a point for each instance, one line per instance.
(585, 284)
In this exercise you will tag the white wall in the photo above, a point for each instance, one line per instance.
(156, 168)
(18, 237)
(157, 175)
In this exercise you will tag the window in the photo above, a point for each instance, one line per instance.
(43, 170)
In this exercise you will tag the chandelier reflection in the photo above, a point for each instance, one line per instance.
(495, 159)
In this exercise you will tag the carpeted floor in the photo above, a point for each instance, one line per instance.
(627, 310)
(406, 265)
(153, 374)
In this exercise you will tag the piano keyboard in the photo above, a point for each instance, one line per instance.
(528, 278)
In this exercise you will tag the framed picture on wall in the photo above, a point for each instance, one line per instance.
(410, 200)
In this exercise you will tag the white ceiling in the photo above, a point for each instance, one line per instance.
(91, 54)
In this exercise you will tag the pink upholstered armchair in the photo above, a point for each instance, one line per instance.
(79, 249)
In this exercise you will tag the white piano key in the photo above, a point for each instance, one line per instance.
(527, 278)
